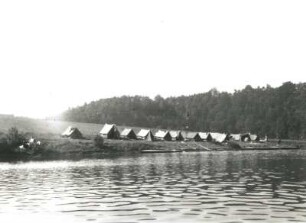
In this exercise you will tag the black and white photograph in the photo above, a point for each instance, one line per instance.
(152, 111)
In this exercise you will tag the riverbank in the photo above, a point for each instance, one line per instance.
(55, 147)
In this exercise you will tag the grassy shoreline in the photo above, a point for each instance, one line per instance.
(55, 147)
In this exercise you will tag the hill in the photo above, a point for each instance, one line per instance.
(277, 112)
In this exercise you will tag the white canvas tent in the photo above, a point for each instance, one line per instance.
(110, 131)
(219, 137)
(241, 137)
(235, 137)
(145, 134)
(192, 136)
(73, 133)
(128, 134)
(176, 136)
(205, 136)
(162, 135)
(254, 137)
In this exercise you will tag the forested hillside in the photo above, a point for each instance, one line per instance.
(276, 112)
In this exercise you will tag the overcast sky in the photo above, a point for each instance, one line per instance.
(59, 54)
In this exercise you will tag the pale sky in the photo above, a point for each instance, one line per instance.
(59, 54)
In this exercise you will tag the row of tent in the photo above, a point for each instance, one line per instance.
(110, 131)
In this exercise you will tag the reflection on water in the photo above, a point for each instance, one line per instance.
(188, 187)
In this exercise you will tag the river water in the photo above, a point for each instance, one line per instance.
(248, 186)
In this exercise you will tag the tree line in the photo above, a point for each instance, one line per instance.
(276, 112)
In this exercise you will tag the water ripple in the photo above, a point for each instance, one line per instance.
(223, 187)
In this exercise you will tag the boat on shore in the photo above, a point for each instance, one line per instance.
(289, 147)
(271, 148)
(160, 151)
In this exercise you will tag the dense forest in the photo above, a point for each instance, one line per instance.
(277, 112)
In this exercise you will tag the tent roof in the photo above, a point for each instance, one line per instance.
(69, 131)
(236, 136)
(204, 135)
(175, 133)
(144, 132)
(254, 137)
(219, 137)
(126, 132)
(191, 135)
(161, 134)
(107, 128)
